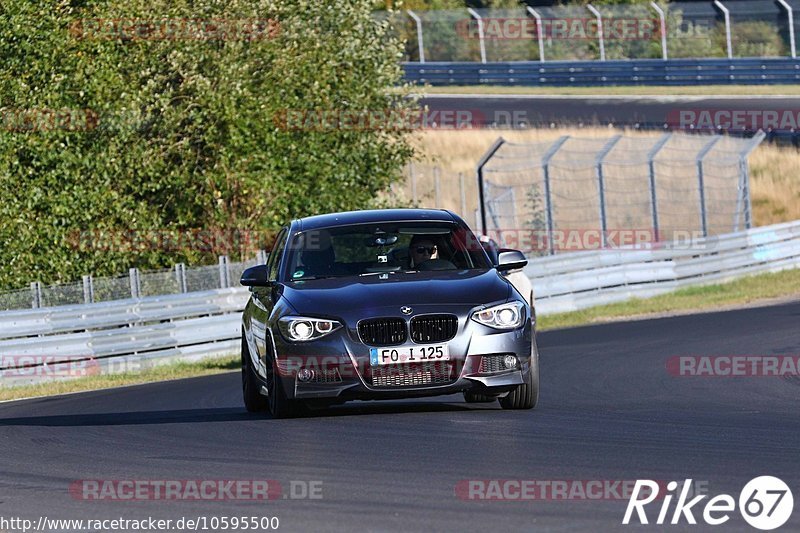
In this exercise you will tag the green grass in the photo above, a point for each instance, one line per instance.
(762, 287)
(699, 90)
(708, 297)
(158, 373)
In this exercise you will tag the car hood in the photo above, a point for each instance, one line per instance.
(371, 294)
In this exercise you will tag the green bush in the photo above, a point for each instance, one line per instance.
(182, 133)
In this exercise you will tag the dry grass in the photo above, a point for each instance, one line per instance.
(775, 184)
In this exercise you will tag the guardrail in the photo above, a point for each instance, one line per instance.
(123, 335)
(133, 334)
(573, 281)
(742, 71)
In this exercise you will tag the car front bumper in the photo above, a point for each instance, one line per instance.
(341, 370)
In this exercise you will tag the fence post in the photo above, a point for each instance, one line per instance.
(481, 36)
(413, 174)
(600, 37)
(539, 33)
(790, 15)
(88, 289)
(744, 183)
(479, 172)
(700, 184)
(463, 194)
(261, 257)
(36, 295)
(602, 188)
(180, 275)
(651, 165)
(727, 15)
(437, 186)
(420, 42)
(548, 199)
(224, 272)
(663, 27)
(136, 286)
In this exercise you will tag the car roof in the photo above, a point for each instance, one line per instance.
(371, 216)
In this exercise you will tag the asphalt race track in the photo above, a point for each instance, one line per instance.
(609, 410)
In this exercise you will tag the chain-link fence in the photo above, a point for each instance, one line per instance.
(136, 284)
(573, 188)
(580, 32)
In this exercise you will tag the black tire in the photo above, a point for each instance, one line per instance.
(474, 397)
(525, 396)
(254, 402)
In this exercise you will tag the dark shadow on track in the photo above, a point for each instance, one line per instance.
(229, 414)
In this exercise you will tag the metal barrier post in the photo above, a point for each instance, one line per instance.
(224, 272)
(180, 275)
(88, 289)
(261, 257)
(479, 172)
(36, 295)
(539, 31)
(601, 186)
(701, 186)
(420, 42)
(663, 25)
(600, 37)
(652, 170)
(481, 36)
(790, 14)
(548, 201)
(727, 15)
(136, 286)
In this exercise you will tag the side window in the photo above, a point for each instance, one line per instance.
(274, 259)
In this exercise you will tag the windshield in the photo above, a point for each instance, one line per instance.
(371, 249)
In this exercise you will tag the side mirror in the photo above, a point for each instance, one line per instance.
(255, 276)
(510, 260)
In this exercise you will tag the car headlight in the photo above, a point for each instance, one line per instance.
(300, 328)
(503, 316)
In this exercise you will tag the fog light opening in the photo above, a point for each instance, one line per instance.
(304, 374)
(510, 361)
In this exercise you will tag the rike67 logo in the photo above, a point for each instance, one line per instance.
(765, 503)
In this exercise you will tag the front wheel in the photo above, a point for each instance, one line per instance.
(254, 402)
(280, 406)
(525, 396)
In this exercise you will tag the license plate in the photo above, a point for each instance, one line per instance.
(408, 354)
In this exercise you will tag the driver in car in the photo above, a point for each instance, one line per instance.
(421, 249)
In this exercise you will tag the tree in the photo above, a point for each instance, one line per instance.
(171, 132)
